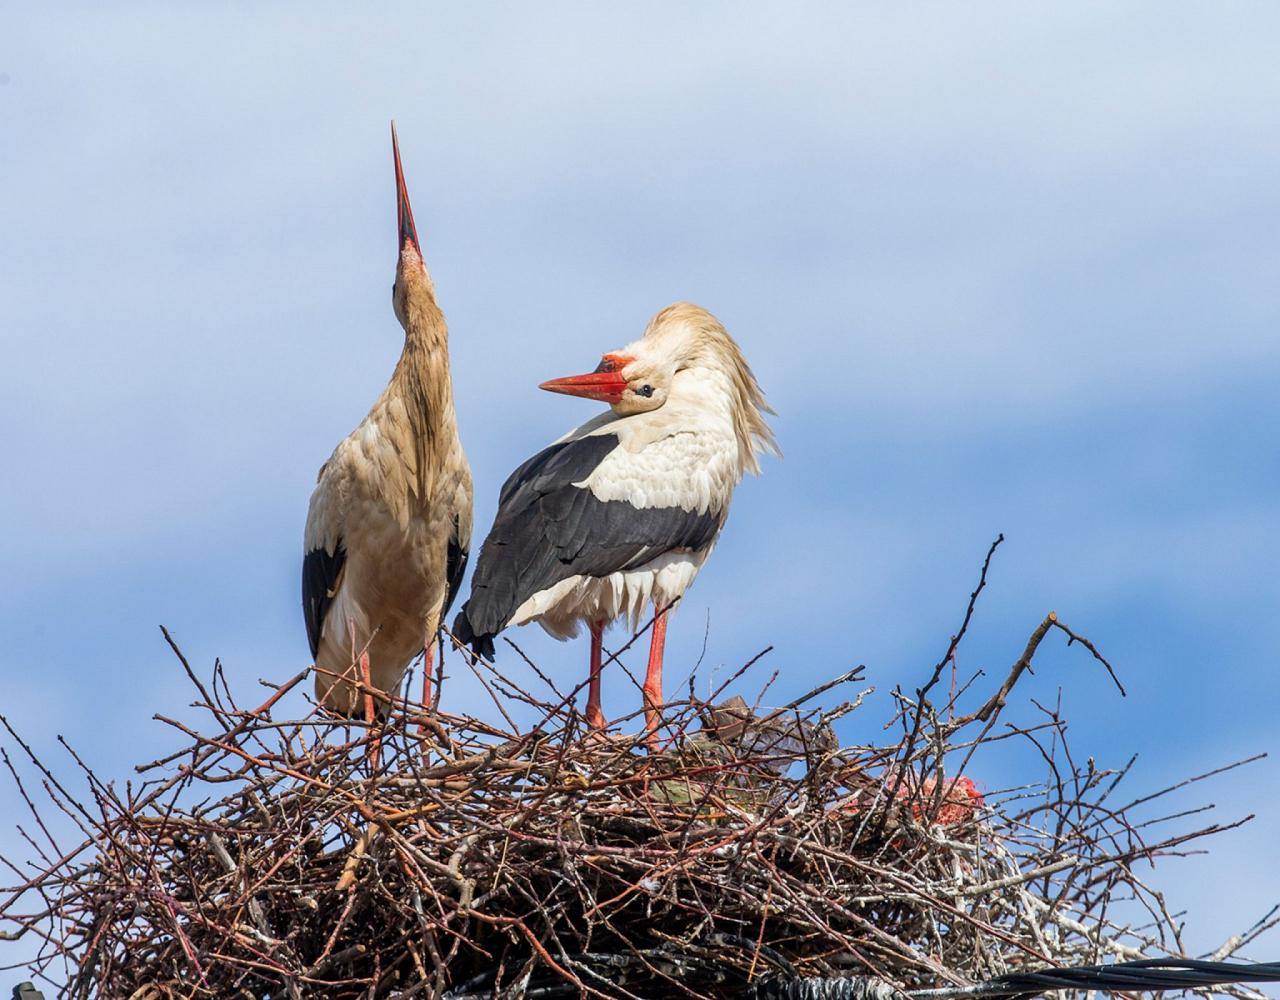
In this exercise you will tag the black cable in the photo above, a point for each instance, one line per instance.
(1146, 975)
(1142, 975)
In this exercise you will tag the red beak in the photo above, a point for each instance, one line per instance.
(404, 214)
(605, 383)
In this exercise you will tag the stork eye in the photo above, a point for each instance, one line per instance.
(645, 390)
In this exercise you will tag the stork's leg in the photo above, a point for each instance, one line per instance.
(653, 678)
(428, 662)
(595, 717)
(375, 745)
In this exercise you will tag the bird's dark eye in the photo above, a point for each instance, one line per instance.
(645, 390)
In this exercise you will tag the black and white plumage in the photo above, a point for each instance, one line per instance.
(622, 512)
(389, 523)
(551, 529)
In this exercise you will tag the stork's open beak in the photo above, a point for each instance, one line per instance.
(404, 213)
(605, 383)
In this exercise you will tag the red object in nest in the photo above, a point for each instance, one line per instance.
(960, 800)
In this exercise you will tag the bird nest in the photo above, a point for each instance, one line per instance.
(463, 858)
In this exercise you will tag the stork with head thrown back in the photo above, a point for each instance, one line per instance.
(623, 511)
(389, 524)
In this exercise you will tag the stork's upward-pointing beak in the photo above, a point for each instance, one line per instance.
(404, 212)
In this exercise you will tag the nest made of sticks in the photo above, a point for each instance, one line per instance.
(469, 859)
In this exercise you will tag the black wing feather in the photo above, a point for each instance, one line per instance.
(455, 568)
(320, 572)
(547, 529)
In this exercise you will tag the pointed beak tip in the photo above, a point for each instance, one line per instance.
(607, 387)
(404, 211)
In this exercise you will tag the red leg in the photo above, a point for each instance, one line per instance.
(595, 717)
(428, 650)
(375, 746)
(366, 677)
(653, 679)
(429, 655)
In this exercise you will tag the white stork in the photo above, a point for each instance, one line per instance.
(624, 510)
(389, 524)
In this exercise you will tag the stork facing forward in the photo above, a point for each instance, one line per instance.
(389, 524)
(624, 510)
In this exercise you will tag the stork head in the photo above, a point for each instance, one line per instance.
(639, 377)
(412, 279)
(627, 383)
(631, 380)
(684, 352)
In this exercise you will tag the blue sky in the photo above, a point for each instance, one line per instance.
(1010, 269)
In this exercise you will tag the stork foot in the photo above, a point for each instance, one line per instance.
(595, 717)
(428, 650)
(428, 677)
(607, 744)
(375, 743)
(653, 681)
(652, 722)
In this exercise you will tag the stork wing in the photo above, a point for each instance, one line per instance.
(455, 565)
(549, 527)
(321, 571)
(325, 552)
